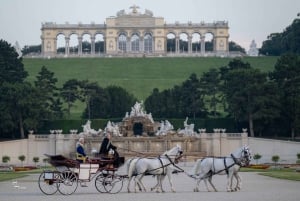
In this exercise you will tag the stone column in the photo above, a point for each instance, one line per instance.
(166, 45)
(104, 45)
(202, 44)
(93, 45)
(43, 46)
(54, 46)
(79, 45)
(177, 44)
(67, 47)
(190, 44)
(128, 45)
(153, 45)
(141, 45)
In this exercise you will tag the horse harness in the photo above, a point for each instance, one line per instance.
(235, 162)
(163, 166)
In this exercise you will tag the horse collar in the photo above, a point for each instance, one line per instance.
(235, 160)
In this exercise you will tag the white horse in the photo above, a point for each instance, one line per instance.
(159, 166)
(205, 168)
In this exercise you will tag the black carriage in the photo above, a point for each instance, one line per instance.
(69, 173)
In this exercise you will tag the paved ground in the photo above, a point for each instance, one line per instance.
(254, 188)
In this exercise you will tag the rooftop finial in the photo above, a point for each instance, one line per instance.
(134, 8)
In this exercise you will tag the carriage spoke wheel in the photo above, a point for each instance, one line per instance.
(99, 181)
(113, 183)
(48, 182)
(68, 183)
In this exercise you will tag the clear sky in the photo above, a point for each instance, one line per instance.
(20, 20)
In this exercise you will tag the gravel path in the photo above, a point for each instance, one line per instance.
(254, 188)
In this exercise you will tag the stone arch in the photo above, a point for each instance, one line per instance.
(148, 42)
(171, 42)
(183, 42)
(122, 42)
(196, 42)
(74, 43)
(99, 43)
(209, 42)
(86, 43)
(135, 42)
(60, 43)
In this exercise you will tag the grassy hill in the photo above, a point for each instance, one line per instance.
(138, 76)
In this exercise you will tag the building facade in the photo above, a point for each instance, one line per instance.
(134, 33)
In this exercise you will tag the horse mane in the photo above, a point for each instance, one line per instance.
(170, 152)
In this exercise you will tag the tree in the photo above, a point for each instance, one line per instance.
(245, 93)
(119, 101)
(46, 160)
(235, 47)
(298, 158)
(257, 157)
(5, 159)
(11, 67)
(21, 107)
(275, 159)
(287, 77)
(94, 96)
(35, 49)
(22, 158)
(70, 93)
(210, 84)
(48, 93)
(35, 160)
(287, 41)
(192, 97)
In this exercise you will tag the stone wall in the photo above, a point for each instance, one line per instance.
(194, 147)
(204, 144)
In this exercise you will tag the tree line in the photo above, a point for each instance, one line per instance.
(287, 41)
(268, 102)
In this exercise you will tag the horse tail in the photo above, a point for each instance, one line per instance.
(195, 169)
(131, 167)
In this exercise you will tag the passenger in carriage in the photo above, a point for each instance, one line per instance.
(80, 153)
(106, 147)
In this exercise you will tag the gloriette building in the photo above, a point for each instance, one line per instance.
(134, 34)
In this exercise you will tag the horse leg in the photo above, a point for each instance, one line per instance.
(212, 185)
(229, 182)
(128, 185)
(238, 181)
(196, 189)
(138, 181)
(157, 184)
(170, 181)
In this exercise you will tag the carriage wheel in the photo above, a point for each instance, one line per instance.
(113, 183)
(48, 182)
(99, 183)
(68, 183)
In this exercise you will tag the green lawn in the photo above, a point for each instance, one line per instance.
(139, 76)
(282, 173)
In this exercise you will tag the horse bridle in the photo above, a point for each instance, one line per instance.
(244, 160)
